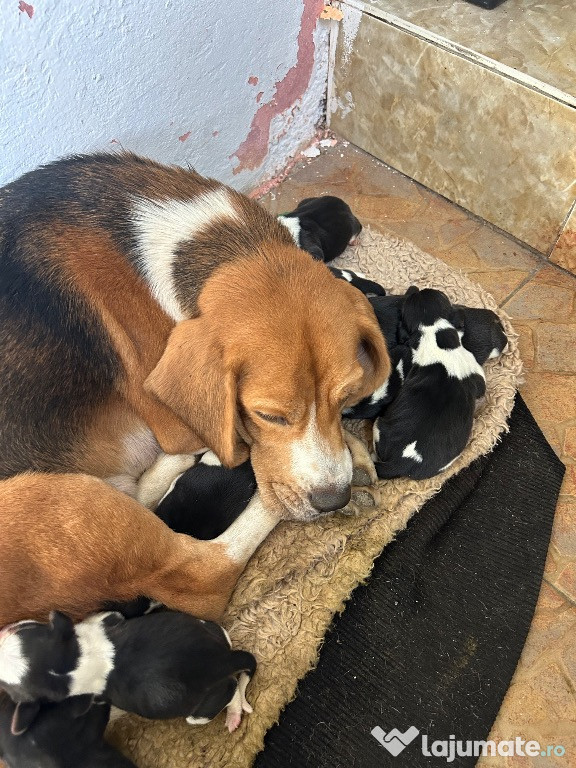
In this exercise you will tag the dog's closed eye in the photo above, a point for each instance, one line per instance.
(280, 420)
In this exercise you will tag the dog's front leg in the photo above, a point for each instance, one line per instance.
(248, 531)
(156, 481)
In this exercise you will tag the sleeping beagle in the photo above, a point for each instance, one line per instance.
(146, 313)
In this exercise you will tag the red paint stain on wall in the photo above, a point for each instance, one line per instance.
(26, 8)
(259, 97)
(215, 133)
(184, 136)
(253, 150)
(253, 80)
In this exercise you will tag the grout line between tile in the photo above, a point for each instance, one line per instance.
(562, 594)
(562, 228)
(520, 286)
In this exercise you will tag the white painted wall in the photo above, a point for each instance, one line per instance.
(165, 78)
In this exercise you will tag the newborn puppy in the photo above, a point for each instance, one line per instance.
(206, 499)
(428, 425)
(68, 734)
(162, 665)
(323, 226)
(483, 333)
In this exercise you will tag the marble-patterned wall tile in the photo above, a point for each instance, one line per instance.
(492, 145)
(533, 37)
(564, 252)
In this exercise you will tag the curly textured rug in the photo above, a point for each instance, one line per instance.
(302, 574)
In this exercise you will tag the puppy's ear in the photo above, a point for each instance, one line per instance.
(412, 290)
(194, 380)
(23, 717)
(61, 624)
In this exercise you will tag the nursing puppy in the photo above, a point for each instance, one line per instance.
(162, 665)
(428, 425)
(69, 734)
(206, 499)
(323, 226)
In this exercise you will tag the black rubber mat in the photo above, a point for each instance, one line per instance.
(430, 644)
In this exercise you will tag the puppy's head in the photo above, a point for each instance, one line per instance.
(484, 334)
(326, 226)
(36, 659)
(279, 348)
(49, 734)
(425, 307)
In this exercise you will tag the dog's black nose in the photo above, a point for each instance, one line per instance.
(330, 498)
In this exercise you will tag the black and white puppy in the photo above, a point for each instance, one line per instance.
(323, 226)
(206, 499)
(429, 423)
(162, 665)
(484, 334)
(67, 734)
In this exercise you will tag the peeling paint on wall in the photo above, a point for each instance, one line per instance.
(288, 91)
(106, 74)
(26, 8)
(350, 26)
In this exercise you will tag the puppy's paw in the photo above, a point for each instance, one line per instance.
(238, 705)
(363, 473)
(363, 499)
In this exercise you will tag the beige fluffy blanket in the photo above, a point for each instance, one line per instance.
(303, 573)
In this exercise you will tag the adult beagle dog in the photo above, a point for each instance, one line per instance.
(147, 313)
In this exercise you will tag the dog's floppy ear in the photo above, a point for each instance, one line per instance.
(194, 380)
(23, 717)
(373, 356)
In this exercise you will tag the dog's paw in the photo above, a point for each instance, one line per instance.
(363, 499)
(363, 473)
